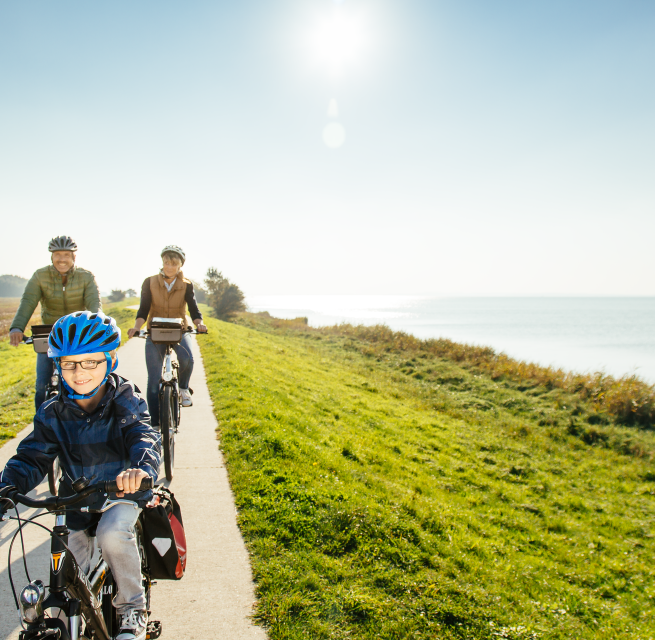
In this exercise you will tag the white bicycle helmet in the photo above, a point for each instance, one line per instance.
(172, 248)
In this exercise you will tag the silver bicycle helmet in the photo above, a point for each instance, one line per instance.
(62, 243)
(172, 248)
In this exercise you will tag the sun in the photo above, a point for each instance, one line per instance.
(338, 40)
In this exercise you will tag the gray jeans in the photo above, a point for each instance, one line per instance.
(117, 541)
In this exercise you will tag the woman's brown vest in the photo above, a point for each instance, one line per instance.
(165, 303)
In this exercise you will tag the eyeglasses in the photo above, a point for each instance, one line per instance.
(69, 365)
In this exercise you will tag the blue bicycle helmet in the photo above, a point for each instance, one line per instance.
(84, 332)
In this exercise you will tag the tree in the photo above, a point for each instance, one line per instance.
(225, 298)
(12, 286)
(201, 294)
(116, 295)
(130, 293)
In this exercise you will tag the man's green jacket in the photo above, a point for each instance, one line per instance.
(47, 287)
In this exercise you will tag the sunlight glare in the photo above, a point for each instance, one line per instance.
(338, 40)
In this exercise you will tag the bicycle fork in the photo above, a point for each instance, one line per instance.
(168, 367)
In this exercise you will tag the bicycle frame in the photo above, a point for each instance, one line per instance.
(169, 404)
(70, 589)
(52, 386)
(169, 410)
(51, 391)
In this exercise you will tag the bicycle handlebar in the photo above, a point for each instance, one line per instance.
(145, 334)
(55, 503)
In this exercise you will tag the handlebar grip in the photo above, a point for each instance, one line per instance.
(146, 484)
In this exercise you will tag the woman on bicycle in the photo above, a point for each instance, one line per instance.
(61, 288)
(167, 295)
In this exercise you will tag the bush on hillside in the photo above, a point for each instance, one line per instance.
(130, 293)
(225, 298)
(116, 295)
(629, 400)
(12, 286)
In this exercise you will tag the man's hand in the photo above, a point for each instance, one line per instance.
(132, 332)
(15, 338)
(200, 327)
(129, 481)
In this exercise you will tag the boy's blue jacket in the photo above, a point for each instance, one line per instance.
(116, 436)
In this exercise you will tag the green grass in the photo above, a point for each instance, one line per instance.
(386, 496)
(18, 376)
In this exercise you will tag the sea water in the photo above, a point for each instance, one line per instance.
(613, 335)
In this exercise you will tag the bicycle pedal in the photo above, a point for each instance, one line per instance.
(153, 629)
(190, 390)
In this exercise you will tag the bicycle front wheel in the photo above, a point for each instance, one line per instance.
(167, 419)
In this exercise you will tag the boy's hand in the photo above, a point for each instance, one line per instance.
(129, 481)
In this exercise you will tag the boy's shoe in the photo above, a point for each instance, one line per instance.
(186, 397)
(134, 623)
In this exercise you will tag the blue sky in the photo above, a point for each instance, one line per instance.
(491, 147)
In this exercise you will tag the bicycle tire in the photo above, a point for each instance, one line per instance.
(145, 569)
(54, 473)
(176, 409)
(167, 420)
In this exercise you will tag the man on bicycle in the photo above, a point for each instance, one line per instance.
(61, 288)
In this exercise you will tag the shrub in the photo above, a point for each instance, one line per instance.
(225, 298)
(116, 295)
(629, 400)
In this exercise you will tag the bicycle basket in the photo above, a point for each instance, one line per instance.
(40, 333)
(163, 534)
(166, 330)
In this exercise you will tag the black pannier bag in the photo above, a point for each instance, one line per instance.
(163, 533)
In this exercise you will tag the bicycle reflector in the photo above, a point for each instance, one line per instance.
(31, 601)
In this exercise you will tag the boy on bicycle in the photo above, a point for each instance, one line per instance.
(99, 427)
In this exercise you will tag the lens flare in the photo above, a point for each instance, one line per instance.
(334, 135)
(333, 109)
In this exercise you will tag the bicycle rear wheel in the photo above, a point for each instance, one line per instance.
(167, 420)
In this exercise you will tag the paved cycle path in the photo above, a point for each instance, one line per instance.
(216, 595)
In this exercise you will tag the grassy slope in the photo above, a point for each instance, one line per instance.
(17, 376)
(376, 505)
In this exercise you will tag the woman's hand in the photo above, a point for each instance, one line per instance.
(138, 323)
(200, 327)
(129, 481)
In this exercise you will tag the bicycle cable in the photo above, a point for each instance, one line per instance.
(38, 524)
